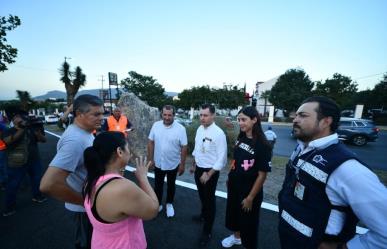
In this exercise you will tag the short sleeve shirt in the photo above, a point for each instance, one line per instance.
(69, 157)
(168, 142)
(248, 161)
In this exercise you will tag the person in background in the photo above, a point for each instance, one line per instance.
(66, 118)
(3, 159)
(66, 174)
(23, 157)
(210, 156)
(327, 189)
(250, 165)
(114, 204)
(271, 137)
(117, 122)
(167, 149)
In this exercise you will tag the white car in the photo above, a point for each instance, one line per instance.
(51, 119)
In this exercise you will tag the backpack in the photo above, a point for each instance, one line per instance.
(18, 153)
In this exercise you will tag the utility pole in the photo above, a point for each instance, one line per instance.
(102, 92)
(67, 58)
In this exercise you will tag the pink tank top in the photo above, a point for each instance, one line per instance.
(125, 234)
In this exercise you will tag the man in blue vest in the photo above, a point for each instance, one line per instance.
(327, 189)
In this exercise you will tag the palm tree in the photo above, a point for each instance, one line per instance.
(25, 100)
(72, 86)
(265, 95)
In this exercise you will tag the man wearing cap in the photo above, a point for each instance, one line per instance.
(271, 137)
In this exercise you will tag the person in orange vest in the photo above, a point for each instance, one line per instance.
(117, 122)
(3, 159)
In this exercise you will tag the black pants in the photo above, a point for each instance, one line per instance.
(159, 183)
(207, 198)
(246, 223)
(83, 229)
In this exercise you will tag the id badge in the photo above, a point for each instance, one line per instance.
(299, 190)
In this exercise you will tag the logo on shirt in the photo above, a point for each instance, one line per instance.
(319, 159)
(247, 164)
(247, 148)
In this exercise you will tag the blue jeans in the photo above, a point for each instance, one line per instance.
(15, 178)
(3, 166)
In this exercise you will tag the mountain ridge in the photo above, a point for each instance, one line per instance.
(62, 95)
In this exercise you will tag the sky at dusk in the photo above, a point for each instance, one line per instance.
(192, 43)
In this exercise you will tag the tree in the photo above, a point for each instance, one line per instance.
(72, 86)
(265, 95)
(195, 96)
(340, 88)
(26, 102)
(229, 97)
(7, 52)
(290, 90)
(226, 97)
(146, 88)
(380, 93)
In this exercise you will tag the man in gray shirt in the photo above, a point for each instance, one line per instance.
(66, 174)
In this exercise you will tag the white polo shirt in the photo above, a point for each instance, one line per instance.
(210, 147)
(168, 143)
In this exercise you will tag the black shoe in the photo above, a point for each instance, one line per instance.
(39, 199)
(9, 211)
(198, 218)
(204, 239)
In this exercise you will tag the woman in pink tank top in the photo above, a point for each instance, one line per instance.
(115, 205)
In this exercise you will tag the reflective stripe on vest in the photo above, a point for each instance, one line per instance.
(313, 171)
(113, 125)
(3, 146)
(302, 228)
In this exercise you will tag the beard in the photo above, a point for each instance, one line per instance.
(304, 135)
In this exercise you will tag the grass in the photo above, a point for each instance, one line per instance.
(382, 174)
(279, 162)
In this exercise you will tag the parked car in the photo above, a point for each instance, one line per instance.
(357, 131)
(51, 119)
(182, 121)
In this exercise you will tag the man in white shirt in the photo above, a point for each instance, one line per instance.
(167, 149)
(210, 156)
(327, 189)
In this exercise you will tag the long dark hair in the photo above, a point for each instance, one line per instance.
(97, 156)
(257, 131)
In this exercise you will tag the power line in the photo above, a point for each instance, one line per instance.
(368, 76)
(34, 68)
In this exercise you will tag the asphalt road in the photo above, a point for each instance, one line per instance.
(373, 154)
(45, 226)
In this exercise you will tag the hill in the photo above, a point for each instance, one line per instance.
(62, 95)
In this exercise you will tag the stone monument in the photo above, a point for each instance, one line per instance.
(142, 116)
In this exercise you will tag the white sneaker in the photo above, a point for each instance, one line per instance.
(231, 241)
(170, 210)
(160, 208)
